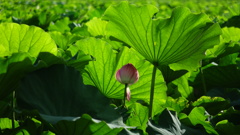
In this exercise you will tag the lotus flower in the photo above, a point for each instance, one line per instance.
(127, 75)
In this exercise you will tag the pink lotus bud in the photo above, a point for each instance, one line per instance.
(128, 74)
(128, 94)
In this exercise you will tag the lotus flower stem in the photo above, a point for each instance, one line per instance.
(125, 92)
(152, 91)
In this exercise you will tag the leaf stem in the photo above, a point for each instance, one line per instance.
(152, 91)
(13, 107)
(125, 92)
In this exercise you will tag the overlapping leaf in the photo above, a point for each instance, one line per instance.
(162, 41)
(183, 87)
(220, 76)
(60, 25)
(176, 104)
(60, 96)
(97, 27)
(59, 91)
(64, 40)
(22, 38)
(169, 124)
(15, 66)
(169, 74)
(212, 105)
(86, 126)
(6, 123)
(229, 43)
(139, 116)
(226, 127)
(197, 116)
(101, 72)
(20, 46)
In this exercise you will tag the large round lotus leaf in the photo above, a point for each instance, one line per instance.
(162, 41)
(23, 38)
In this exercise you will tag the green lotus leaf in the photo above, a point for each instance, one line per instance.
(176, 104)
(6, 123)
(212, 105)
(183, 87)
(59, 85)
(233, 95)
(138, 117)
(79, 61)
(12, 69)
(191, 64)
(230, 59)
(162, 41)
(23, 132)
(219, 76)
(97, 27)
(231, 114)
(231, 21)
(60, 25)
(229, 43)
(60, 96)
(226, 127)
(15, 67)
(101, 72)
(63, 41)
(234, 9)
(167, 123)
(23, 38)
(47, 133)
(201, 119)
(86, 126)
(169, 74)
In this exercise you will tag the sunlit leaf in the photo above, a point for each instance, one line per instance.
(86, 126)
(176, 104)
(101, 72)
(168, 124)
(47, 133)
(162, 41)
(197, 116)
(6, 123)
(212, 105)
(23, 132)
(63, 41)
(183, 87)
(97, 27)
(60, 25)
(23, 38)
(58, 93)
(234, 9)
(21, 46)
(138, 117)
(228, 40)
